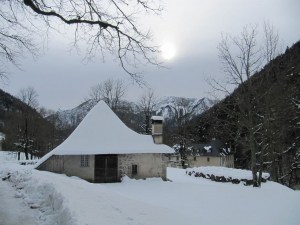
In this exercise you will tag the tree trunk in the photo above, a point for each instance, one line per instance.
(253, 149)
(261, 165)
(26, 140)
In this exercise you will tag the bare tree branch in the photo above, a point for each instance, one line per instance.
(146, 105)
(105, 26)
(29, 96)
(111, 91)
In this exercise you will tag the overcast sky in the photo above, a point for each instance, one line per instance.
(194, 28)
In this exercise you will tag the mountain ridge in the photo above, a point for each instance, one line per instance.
(165, 107)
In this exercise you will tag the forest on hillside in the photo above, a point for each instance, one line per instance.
(275, 102)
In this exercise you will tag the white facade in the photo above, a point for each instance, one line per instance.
(198, 161)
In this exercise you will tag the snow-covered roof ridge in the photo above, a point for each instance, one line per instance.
(102, 132)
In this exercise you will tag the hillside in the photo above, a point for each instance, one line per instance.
(276, 101)
(73, 117)
(23, 125)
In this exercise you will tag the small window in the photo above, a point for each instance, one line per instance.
(134, 169)
(84, 161)
(195, 158)
(207, 159)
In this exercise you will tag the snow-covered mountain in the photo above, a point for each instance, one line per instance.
(168, 107)
(74, 116)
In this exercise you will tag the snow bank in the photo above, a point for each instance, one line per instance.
(66, 200)
(38, 195)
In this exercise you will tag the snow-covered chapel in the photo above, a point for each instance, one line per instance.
(103, 149)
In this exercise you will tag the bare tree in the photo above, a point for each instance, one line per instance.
(241, 57)
(96, 92)
(111, 91)
(29, 96)
(269, 144)
(242, 62)
(106, 26)
(271, 42)
(25, 142)
(146, 106)
(15, 37)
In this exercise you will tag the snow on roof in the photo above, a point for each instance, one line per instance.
(207, 148)
(102, 132)
(157, 118)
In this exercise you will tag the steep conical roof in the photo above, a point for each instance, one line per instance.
(102, 132)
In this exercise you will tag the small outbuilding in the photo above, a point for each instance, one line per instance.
(103, 149)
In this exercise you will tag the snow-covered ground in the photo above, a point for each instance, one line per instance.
(58, 199)
(13, 157)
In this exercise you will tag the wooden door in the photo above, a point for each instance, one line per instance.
(106, 168)
(57, 164)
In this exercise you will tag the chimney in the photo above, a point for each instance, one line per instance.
(157, 129)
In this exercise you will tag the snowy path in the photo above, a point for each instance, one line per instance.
(13, 211)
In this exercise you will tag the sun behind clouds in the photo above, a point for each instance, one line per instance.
(168, 51)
